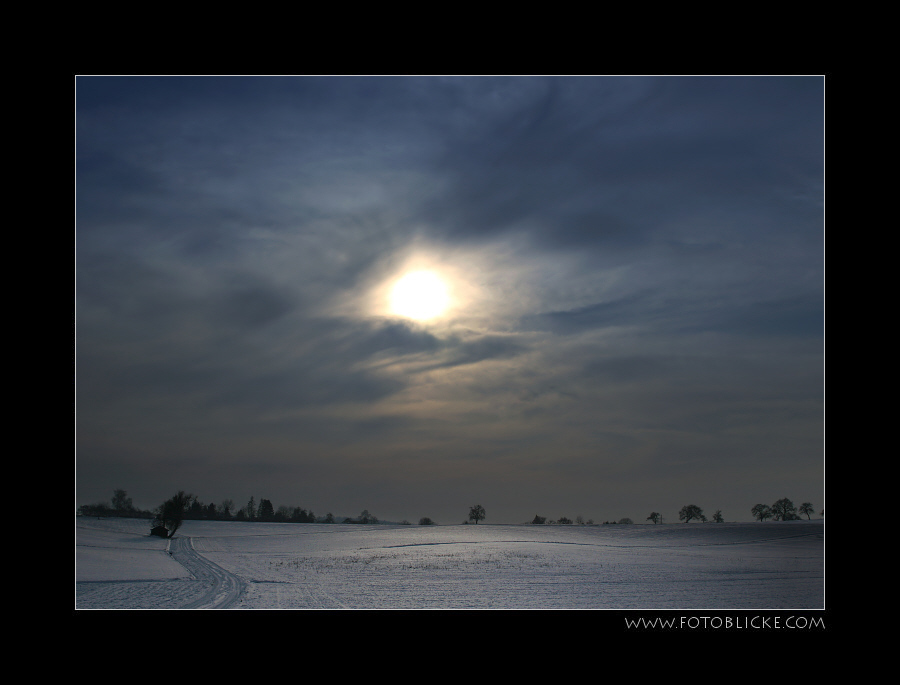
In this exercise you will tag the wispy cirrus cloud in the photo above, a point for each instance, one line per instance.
(637, 266)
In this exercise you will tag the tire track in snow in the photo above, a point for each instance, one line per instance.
(224, 588)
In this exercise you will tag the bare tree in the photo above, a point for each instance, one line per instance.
(784, 510)
(807, 508)
(689, 512)
(121, 502)
(654, 516)
(476, 513)
(227, 508)
(761, 512)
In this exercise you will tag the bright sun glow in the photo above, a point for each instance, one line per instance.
(420, 295)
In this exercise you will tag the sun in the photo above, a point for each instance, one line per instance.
(420, 295)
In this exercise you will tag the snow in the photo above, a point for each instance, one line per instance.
(113, 551)
(725, 566)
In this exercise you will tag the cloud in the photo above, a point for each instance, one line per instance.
(637, 266)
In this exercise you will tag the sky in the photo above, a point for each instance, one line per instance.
(631, 314)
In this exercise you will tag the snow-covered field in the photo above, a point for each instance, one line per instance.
(230, 565)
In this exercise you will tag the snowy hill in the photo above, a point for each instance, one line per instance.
(772, 565)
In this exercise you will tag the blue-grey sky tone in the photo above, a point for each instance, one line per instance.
(635, 267)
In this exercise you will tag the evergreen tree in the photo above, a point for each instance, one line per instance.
(266, 510)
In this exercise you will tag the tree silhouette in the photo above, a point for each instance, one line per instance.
(227, 507)
(807, 508)
(121, 502)
(170, 514)
(654, 516)
(195, 509)
(761, 512)
(477, 514)
(689, 512)
(366, 517)
(266, 510)
(717, 517)
(784, 510)
(300, 515)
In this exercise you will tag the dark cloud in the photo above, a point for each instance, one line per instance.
(397, 338)
(608, 162)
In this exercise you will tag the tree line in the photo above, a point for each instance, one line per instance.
(168, 516)
(783, 510)
(121, 505)
(566, 521)
(183, 506)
